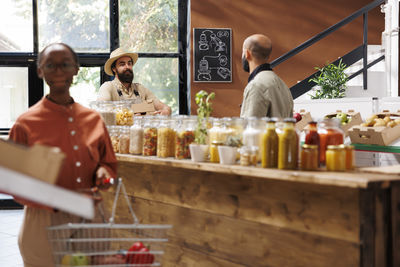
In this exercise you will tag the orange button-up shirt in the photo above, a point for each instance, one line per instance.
(78, 131)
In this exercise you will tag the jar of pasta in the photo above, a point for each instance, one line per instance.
(269, 145)
(165, 138)
(288, 146)
(124, 112)
(136, 136)
(124, 137)
(184, 137)
(336, 158)
(114, 136)
(309, 157)
(150, 136)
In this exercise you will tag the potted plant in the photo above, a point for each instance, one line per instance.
(331, 81)
(199, 149)
(228, 152)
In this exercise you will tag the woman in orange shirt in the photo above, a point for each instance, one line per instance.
(56, 120)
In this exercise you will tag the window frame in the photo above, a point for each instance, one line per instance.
(35, 85)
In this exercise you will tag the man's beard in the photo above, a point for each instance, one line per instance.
(245, 64)
(125, 77)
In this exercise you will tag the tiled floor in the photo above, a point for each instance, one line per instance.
(10, 222)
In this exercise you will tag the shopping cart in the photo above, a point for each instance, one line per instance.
(108, 244)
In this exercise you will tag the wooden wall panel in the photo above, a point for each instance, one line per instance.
(288, 23)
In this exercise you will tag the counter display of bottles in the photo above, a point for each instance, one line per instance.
(270, 142)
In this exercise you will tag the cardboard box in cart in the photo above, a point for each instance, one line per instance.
(39, 161)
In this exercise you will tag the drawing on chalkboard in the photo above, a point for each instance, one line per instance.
(219, 45)
(212, 55)
(203, 44)
(204, 72)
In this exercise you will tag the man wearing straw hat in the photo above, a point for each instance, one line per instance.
(120, 65)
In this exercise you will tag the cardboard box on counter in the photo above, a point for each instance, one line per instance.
(355, 119)
(39, 161)
(376, 135)
(144, 108)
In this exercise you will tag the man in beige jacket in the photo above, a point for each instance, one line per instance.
(265, 94)
(122, 87)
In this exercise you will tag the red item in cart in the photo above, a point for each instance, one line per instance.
(139, 254)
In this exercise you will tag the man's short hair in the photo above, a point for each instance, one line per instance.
(74, 54)
(259, 51)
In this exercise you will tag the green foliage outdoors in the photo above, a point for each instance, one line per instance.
(146, 26)
(332, 80)
(204, 110)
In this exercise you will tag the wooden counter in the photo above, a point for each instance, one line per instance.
(247, 216)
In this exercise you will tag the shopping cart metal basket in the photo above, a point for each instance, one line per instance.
(108, 244)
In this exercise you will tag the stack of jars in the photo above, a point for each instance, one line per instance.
(325, 146)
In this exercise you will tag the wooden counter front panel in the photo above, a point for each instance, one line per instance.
(231, 220)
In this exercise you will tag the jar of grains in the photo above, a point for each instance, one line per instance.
(136, 136)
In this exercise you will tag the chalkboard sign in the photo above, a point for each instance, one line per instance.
(212, 57)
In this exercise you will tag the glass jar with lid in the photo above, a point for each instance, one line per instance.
(252, 135)
(238, 125)
(114, 136)
(336, 158)
(124, 112)
(248, 155)
(136, 136)
(107, 112)
(309, 157)
(350, 157)
(218, 135)
(184, 137)
(312, 136)
(124, 137)
(288, 146)
(269, 145)
(150, 136)
(330, 133)
(165, 138)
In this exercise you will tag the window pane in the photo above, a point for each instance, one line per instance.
(16, 30)
(85, 87)
(149, 26)
(82, 24)
(14, 94)
(160, 75)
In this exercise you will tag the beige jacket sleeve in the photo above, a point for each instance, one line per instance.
(105, 92)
